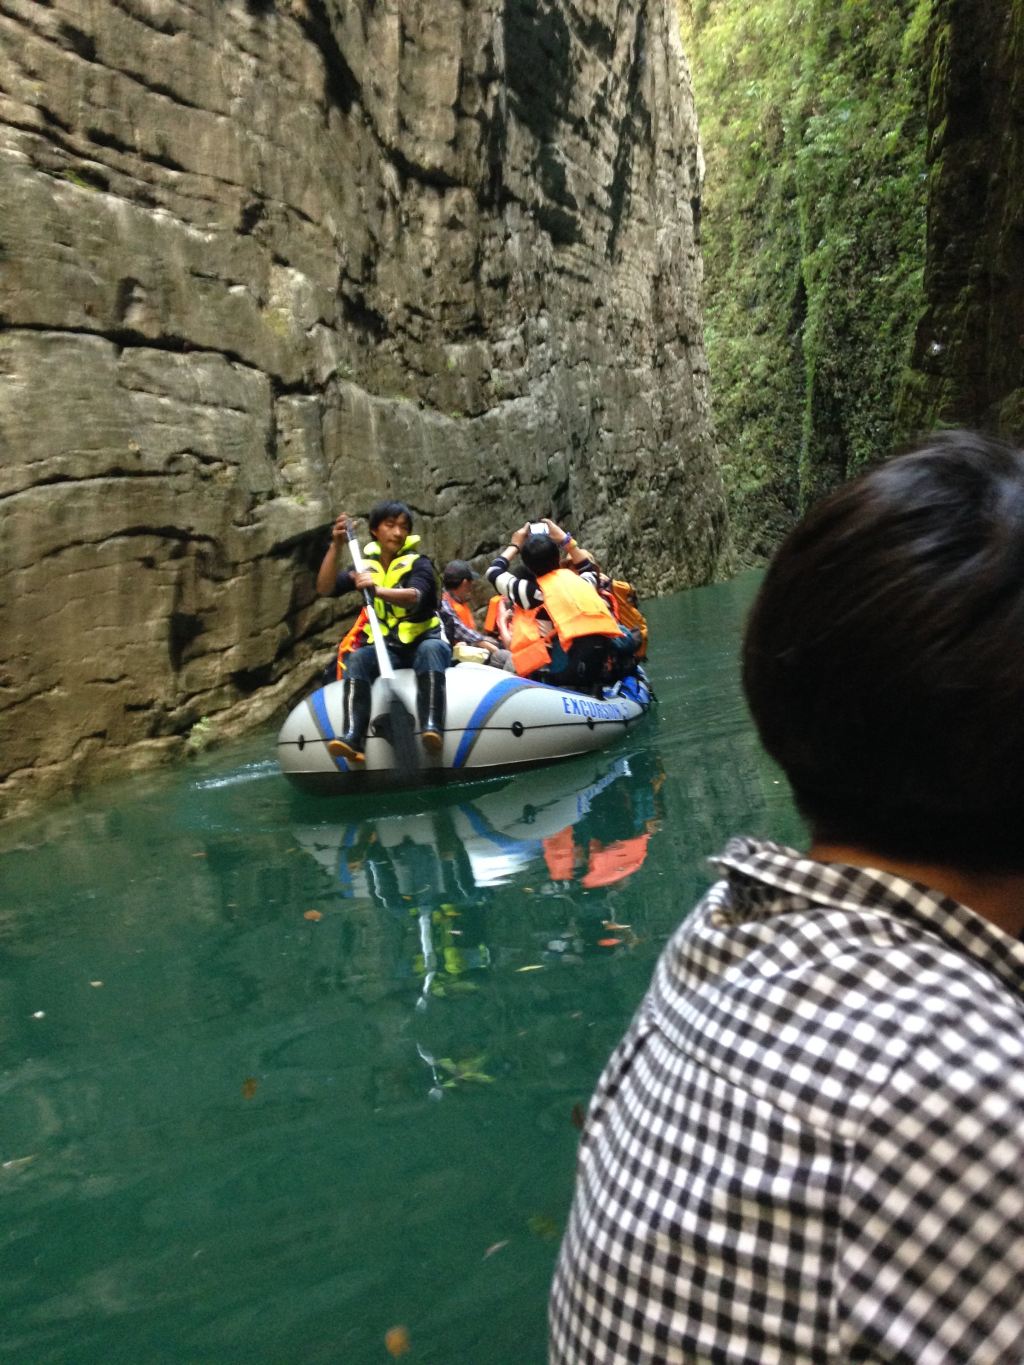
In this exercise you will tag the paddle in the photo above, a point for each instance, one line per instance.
(402, 728)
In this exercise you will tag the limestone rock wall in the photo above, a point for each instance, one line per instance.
(264, 259)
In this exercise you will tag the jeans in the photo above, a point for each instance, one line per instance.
(591, 660)
(429, 655)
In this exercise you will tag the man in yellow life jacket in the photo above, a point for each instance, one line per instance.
(562, 631)
(404, 587)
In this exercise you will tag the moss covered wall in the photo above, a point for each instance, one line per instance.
(968, 359)
(862, 234)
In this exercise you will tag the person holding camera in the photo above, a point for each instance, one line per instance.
(563, 633)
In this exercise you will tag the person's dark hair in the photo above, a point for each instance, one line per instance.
(883, 660)
(456, 571)
(388, 511)
(539, 554)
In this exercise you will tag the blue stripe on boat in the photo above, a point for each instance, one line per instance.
(323, 723)
(483, 827)
(485, 708)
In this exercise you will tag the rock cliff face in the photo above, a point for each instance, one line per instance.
(264, 259)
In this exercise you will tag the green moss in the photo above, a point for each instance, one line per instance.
(812, 115)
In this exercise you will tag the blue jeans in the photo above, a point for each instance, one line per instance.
(429, 655)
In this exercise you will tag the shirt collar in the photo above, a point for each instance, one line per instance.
(757, 871)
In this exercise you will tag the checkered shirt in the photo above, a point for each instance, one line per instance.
(809, 1146)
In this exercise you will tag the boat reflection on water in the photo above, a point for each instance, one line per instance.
(570, 835)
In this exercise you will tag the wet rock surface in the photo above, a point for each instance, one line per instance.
(261, 261)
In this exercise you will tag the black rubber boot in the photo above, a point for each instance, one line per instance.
(430, 710)
(355, 718)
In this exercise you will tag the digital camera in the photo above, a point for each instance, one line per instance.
(538, 528)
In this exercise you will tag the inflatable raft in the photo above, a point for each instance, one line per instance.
(496, 723)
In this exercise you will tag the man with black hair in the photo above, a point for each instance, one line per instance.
(404, 587)
(809, 1146)
(457, 620)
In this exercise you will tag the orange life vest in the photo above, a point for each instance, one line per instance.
(560, 855)
(490, 626)
(628, 613)
(529, 649)
(610, 863)
(351, 640)
(461, 610)
(606, 864)
(575, 609)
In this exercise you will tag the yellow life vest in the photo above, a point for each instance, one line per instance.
(393, 619)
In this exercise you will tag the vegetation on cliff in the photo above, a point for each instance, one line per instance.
(813, 119)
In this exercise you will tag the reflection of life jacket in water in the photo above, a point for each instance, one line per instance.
(575, 610)
(605, 863)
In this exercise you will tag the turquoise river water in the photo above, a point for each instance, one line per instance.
(280, 1074)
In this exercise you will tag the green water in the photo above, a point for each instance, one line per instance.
(234, 1133)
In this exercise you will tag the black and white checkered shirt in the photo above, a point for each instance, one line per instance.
(809, 1146)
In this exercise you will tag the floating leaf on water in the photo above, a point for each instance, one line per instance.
(396, 1339)
(578, 1116)
(495, 1246)
(249, 1087)
(18, 1163)
(608, 942)
(468, 1069)
(313, 914)
(533, 967)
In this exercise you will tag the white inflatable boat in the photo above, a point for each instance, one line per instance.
(496, 723)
